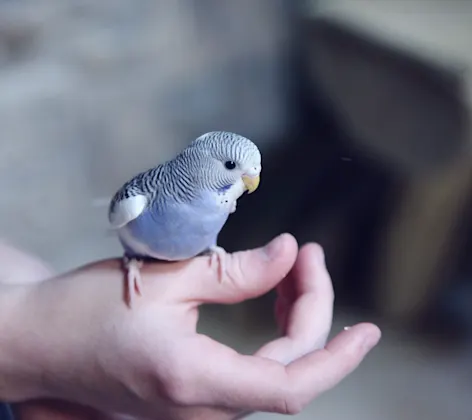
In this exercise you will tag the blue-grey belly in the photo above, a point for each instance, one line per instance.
(172, 235)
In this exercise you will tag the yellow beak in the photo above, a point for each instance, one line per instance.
(251, 183)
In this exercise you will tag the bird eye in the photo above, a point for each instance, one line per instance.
(230, 165)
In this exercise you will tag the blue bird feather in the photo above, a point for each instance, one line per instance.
(176, 210)
(175, 231)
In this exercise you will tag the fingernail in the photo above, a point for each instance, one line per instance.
(347, 328)
(320, 255)
(272, 249)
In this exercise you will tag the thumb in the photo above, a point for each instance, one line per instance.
(248, 274)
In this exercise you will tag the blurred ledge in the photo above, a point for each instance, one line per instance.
(390, 217)
(438, 31)
(412, 113)
(406, 111)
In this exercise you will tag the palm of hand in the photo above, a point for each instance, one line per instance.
(152, 363)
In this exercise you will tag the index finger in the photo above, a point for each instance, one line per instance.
(310, 315)
(252, 383)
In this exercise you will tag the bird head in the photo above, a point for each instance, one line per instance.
(225, 158)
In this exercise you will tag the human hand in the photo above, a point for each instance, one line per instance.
(75, 340)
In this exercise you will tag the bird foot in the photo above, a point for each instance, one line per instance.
(218, 258)
(133, 276)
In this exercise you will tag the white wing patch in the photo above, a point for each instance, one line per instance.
(127, 210)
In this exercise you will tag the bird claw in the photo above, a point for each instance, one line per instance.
(134, 280)
(218, 257)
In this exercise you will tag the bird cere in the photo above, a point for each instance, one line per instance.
(176, 210)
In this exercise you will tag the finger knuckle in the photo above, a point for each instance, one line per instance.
(235, 273)
(177, 388)
(290, 400)
(346, 361)
(291, 405)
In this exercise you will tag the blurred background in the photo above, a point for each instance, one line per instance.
(361, 110)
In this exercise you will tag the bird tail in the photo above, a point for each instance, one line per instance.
(102, 202)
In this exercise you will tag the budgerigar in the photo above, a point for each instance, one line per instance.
(176, 210)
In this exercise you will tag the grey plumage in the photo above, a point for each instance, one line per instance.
(174, 178)
(176, 210)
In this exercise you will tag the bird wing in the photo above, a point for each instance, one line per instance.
(126, 210)
(130, 201)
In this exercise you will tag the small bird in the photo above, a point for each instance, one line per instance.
(176, 210)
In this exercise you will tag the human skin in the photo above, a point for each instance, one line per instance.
(72, 338)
